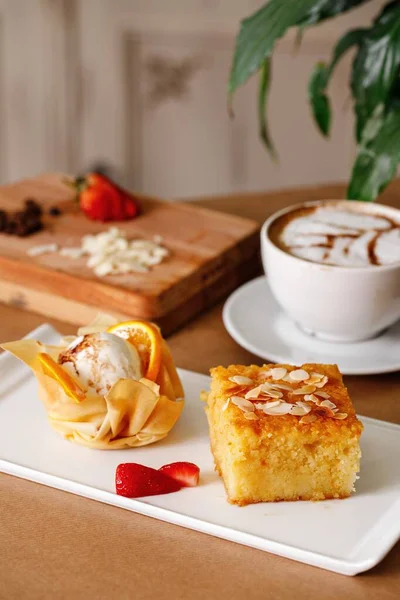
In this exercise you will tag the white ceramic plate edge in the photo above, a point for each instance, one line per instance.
(348, 567)
(357, 564)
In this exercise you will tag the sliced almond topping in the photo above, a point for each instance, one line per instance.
(304, 405)
(273, 394)
(271, 404)
(250, 416)
(282, 386)
(340, 416)
(308, 418)
(283, 408)
(267, 386)
(299, 375)
(287, 379)
(322, 394)
(265, 374)
(225, 406)
(311, 398)
(299, 411)
(242, 403)
(260, 405)
(306, 389)
(278, 373)
(240, 380)
(321, 383)
(316, 376)
(254, 393)
(328, 404)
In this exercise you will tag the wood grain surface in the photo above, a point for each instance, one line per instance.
(54, 545)
(207, 249)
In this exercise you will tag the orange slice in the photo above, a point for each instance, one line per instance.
(147, 340)
(54, 370)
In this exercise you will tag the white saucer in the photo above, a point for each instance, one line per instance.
(256, 322)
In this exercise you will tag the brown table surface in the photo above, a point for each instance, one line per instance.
(57, 545)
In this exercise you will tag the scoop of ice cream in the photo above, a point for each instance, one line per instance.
(98, 360)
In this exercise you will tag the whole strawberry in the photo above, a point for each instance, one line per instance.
(102, 200)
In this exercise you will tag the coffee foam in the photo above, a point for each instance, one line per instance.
(387, 246)
(342, 237)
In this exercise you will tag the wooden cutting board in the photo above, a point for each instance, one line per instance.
(211, 254)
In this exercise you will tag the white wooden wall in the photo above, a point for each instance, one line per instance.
(140, 85)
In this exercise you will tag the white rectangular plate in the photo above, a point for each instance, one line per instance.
(346, 536)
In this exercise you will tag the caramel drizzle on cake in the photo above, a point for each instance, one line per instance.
(277, 395)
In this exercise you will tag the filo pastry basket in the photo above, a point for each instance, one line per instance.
(132, 413)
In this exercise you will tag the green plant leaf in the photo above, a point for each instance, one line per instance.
(329, 9)
(378, 155)
(265, 78)
(319, 100)
(321, 76)
(376, 66)
(259, 32)
(299, 38)
(375, 79)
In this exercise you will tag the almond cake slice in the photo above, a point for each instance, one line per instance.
(280, 432)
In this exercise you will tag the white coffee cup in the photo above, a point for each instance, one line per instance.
(334, 303)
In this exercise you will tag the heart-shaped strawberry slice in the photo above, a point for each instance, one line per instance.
(135, 481)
